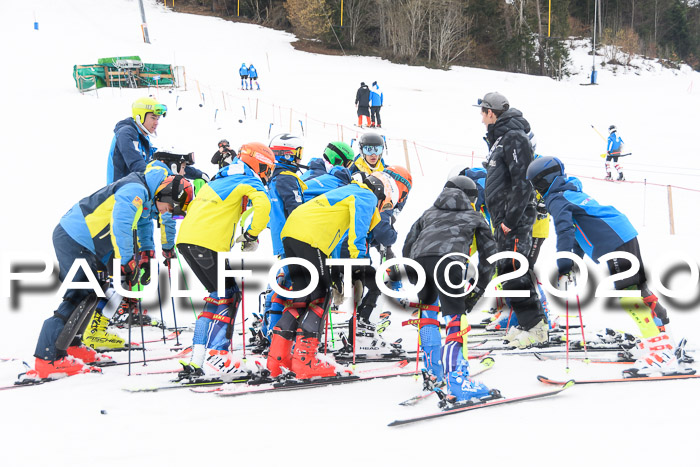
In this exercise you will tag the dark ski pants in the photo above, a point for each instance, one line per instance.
(301, 278)
(448, 305)
(202, 261)
(375, 114)
(527, 309)
(67, 250)
(366, 275)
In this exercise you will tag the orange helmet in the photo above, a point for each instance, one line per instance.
(177, 191)
(403, 181)
(258, 157)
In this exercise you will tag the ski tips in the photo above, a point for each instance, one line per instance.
(568, 384)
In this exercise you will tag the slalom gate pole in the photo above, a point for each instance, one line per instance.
(354, 328)
(420, 316)
(325, 337)
(160, 304)
(580, 319)
(172, 301)
(135, 240)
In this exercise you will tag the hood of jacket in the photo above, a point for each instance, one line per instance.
(562, 183)
(510, 120)
(452, 199)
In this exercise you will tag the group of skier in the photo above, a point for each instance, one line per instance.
(340, 207)
(369, 103)
(248, 74)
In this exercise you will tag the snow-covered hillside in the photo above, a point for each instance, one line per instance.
(55, 143)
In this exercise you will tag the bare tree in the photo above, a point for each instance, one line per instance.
(449, 31)
(357, 14)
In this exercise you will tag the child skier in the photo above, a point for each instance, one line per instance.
(209, 228)
(585, 227)
(448, 227)
(615, 144)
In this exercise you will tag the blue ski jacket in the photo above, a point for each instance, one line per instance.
(243, 70)
(337, 177)
(104, 221)
(286, 194)
(252, 72)
(317, 167)
(614, 144)
(130, 150)
(583, 225)
(376, 96)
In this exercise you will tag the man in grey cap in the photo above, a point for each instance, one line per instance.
(510, 200)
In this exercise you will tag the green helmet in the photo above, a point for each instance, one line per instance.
(338, 153)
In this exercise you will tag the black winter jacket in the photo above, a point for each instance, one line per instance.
(362, 96)
(509, 196)
(449, 226)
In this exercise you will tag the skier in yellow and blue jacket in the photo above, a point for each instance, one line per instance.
(210, 227)
(97, 228)
(312, 231)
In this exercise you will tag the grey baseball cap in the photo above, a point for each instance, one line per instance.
(493, 101)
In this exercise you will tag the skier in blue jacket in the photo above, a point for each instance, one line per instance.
(337, 153)
(253, 76)
(376, 101)
(243, 72)
(585, 227)
(96, 229)
(614, 149)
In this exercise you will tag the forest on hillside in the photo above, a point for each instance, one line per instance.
(524, 36)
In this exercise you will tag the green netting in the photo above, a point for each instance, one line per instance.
(111, 60)
(107, 74)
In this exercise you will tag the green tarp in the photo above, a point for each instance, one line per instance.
(106, 73)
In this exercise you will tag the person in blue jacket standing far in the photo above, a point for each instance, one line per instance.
(376, 100)
(615, 144)
(253, 76)
(585, 227)
(243, 72)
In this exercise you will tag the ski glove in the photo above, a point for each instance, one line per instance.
(145, 266)
(129, 274)
(473, 297)
(168, 254)
(248, 242)
(541, 210)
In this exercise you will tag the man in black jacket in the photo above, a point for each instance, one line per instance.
(511, 202)
(362, 103)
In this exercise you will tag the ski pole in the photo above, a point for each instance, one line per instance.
(143, 339)
(160, 304)
(567, 326)
(242, 309)
(184, 278)
(580, 318)
(172, 301)
(599, 134)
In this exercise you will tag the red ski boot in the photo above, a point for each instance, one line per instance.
(67, 366)
(305, 365)
(88, 355)
(280, 355)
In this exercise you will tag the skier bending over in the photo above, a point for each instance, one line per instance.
(448, 227)
(585, 227)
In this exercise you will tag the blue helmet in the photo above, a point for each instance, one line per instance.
(543, 171)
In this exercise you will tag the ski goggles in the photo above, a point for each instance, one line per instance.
(159, 109)
(372, 150)
(223, 145)
(296, 153)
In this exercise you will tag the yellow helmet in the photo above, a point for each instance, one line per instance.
(143, 105)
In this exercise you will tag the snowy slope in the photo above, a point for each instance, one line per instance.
(55, 143)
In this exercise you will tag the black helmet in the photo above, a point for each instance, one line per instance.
(464, 184)
(542, 172)
(371, 139)
(174, 160)
(612, 129)
(224, 143)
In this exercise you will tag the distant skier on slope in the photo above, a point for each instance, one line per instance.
(585, 227)
(450, 226)
(615, 145)
(362, 103)
(253, 76)
(376, 101)
(243, 73)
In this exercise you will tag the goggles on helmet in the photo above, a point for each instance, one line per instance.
(159, 109)
(223, 144)
(372, 150)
